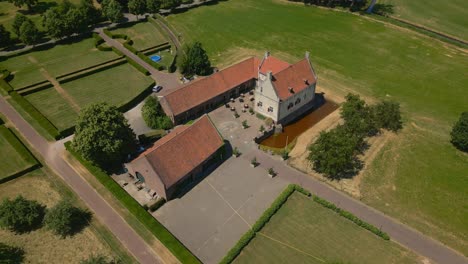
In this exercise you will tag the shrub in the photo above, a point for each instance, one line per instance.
(271, 171)
(64, 219)
(157, 205)
(236, 115)
(20, 214)
(254, 161)
(236, 250)
(137, 66)
(459, 133)
(236, 152)
(244, 124)
(154, 116)
(98, 259)
(261, 129)
(387, 115)
(10, 254)
(268, 122)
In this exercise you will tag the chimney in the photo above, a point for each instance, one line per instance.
(269, 75)
(307, 55)
(267, 54)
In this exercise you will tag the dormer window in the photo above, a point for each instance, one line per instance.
(270, 109)
(306, 81)
(259, 104)
(291, 90)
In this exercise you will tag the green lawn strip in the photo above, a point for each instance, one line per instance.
(16, 157)
(144, 35)
(380, 61)
(436, 14)
(277, 204)
(156, 228)
(116, 86)
(52, 105)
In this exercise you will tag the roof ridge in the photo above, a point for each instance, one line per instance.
(289, 66)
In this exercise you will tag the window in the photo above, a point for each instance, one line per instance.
(259, 104)
(270, 109)
(290, 105)
(298, 101)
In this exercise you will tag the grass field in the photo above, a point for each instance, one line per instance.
(14, 156)
(444, 16)
(303, 231)
(60, 59)
(144, 35)
(379, 61)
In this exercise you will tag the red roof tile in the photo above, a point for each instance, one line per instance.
(182, 150)
(273, 64)
(293, 77)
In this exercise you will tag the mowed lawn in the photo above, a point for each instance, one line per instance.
(379, 61)
(41, 245)
(52, 105)
(303, 231)
(442, 15)
(12, 161)
(143, 34)
(58, 60)
(115, 86)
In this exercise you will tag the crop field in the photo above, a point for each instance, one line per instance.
(379, 61)
(14, 156)
(303, 231)
(444, 16)
(29, 68)
(144, 35)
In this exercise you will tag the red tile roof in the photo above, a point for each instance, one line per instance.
(202, 90)
(295, 77)
(272, 64)
(182, 150)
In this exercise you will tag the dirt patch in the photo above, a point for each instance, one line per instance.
(60, 90)
(32, 59)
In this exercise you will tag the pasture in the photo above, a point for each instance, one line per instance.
(445, 16)
(303, 231)
(144, 35)
(379, 61)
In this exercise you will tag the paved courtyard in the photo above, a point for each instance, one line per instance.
(211, 217)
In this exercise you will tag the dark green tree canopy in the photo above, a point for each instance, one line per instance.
(153, 6)
(10, 254)
(137, 7)
(334, 153)
(98, 259)
(387, 115)
(17, 22)
(154, 116)
(64, 219)
(112, 10)
(5, 38)
(170, 4)
(357, 116)
(194, 60)
(20, 3)
(103, 135)
(459, 133)
(20, 214)
(29, 34)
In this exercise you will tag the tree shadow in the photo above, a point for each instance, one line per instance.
(80, 220)
(10, 254)
(383, 9)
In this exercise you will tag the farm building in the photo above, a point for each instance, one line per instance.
(179, 158)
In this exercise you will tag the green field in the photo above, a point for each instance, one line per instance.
(58, 60)
(144, 35)
(303, 231)
(445, 16)
(354, 54)
(14, 156)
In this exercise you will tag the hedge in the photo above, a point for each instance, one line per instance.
(130, 48)
(157, 205)
(107, 32)
(351, 217)
(154, 64)
(117, 51)
(236, 250)
(137, 99)
(137, 66)
(151, 223)
(6, 87)
(35, 114)
(156, 47)
(79, 75)
(30, 90)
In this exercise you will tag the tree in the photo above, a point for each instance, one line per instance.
(20, 214)
(112, 10)
(20, 3)
(64, 219)
(357, 116)
(75, 22)
(10, 254)
(54, 23)
(90, 13)
(387, 115)
(334, 153)
(459, 133)
(154, 115)
(98, 259)
(194, 60)
(137, 7)
(170, 4)
(153, 6)
(5, 38)
(29, 34)
(103, 135)
(17, 22)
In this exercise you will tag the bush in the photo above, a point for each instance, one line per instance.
(65, 220)
(155, 227)
(237, 249)
(157, 205)
(387, 115)
(98, 259)
(21, 215)
(10, 254)
(459, 133)
(154, 116)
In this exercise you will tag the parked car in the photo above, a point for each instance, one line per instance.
(157, 88)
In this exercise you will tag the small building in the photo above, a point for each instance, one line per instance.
(179, 158)
(286, 94)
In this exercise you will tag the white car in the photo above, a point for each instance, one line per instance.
(157, 88)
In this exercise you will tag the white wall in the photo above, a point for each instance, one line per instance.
(266, 94)
(306, 96)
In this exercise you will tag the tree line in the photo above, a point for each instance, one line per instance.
(67, 19)
(335, 153)
(353, 5)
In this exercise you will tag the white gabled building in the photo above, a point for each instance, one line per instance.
(284, 91)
